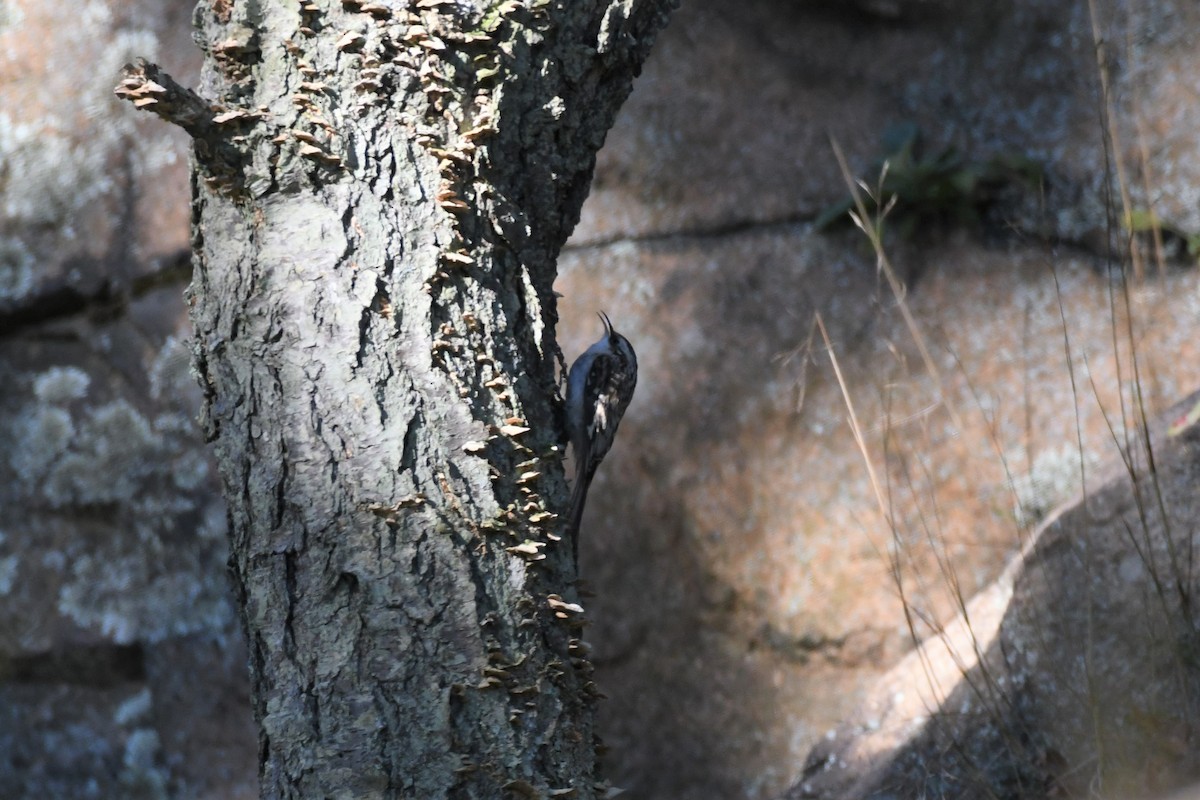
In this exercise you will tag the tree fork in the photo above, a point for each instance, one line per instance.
(379, 197)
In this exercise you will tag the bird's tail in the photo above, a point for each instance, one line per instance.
(578, 497)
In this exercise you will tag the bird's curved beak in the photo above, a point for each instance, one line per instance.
(608, 328)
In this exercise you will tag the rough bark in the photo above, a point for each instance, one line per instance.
(379, 198)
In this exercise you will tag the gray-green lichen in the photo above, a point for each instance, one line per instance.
(148, 561)
(137, 596)
(141, 776)
(1056, 475)
(10, 15)
(113, 451)
(171, 374)
(16, 268)
(61, 132)
(134, 709)
(53, 171)
(61, 385)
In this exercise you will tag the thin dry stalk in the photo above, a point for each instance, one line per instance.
(873, 233)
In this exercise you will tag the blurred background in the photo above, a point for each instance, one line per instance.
(769, 536)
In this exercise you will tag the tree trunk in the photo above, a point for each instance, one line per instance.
(379, 198)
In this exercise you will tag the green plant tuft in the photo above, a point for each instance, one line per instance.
(918, 189)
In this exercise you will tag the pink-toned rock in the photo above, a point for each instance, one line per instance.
(1074, 672)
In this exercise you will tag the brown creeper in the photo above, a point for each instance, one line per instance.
(599, 387)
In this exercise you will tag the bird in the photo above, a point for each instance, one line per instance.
(600, 385)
